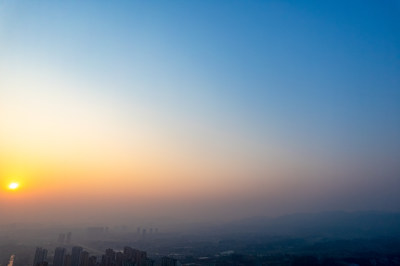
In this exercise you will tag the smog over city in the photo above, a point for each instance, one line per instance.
(158, 133)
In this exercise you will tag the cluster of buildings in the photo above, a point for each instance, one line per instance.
(79, 257)
(143, 233)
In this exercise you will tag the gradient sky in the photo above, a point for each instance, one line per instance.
(200, 110)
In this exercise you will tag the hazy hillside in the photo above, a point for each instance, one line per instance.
(325, 224)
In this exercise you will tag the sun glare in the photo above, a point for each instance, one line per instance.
(13, 186)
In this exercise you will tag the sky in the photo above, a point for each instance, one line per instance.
(197, 110)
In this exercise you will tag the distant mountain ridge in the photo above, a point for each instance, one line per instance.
(325, 224)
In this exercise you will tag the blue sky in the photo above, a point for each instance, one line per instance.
(319, 79)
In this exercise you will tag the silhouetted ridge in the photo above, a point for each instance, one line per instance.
(326, 224)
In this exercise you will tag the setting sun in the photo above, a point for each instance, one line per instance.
(13, 186)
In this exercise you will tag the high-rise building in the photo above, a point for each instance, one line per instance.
(108, 259)
(67, 260)
(40, 256)
(92, 261)
(69, 236)
(76, 256)
(119, 258)
(84, 259)
(140, 257)
(59, 256)
(134, 257)
(144, 234)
